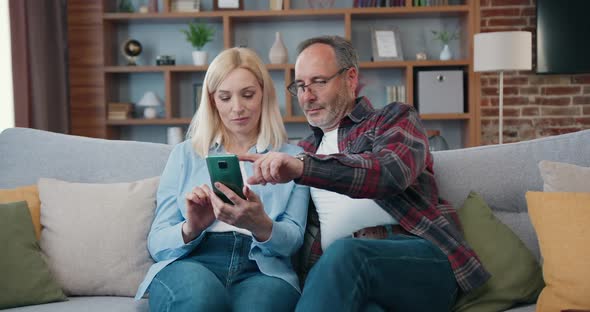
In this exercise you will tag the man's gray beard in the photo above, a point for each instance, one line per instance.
(342, 102)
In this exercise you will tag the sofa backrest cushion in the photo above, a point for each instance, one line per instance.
(28, 154)
(502, 174)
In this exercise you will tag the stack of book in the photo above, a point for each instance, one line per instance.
(378, 3)
(421, 3)
(119, 111)
(395, 93)
(186, 5)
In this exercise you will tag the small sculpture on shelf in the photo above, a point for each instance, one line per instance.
(421, 56)
(165, 60)
(151, 104)
(445, 37)
(131, 49)
(198, 35)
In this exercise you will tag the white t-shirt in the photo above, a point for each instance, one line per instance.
(340, 215)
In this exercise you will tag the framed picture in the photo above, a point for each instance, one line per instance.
(228, 5)
(386, 44)
(197, 91)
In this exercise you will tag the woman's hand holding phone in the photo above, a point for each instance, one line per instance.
(246, 213)
(199, 213)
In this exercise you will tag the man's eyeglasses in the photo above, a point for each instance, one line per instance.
(297, 87)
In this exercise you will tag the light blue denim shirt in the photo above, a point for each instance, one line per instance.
(286, 204)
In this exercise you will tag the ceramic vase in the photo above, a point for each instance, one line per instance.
(200, 58)
(445, 54)
(278, 52)
(437, 143)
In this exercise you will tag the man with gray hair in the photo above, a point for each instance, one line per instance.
(388, 241)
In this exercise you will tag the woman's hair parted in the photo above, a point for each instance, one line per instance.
(206, 124)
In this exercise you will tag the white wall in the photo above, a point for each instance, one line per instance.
(6, 95)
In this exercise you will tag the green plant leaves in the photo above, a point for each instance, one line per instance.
(445, 36)
(198, 34)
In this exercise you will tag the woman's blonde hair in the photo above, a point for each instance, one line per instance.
(206, 124)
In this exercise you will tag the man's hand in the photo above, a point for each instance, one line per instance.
(273, 167)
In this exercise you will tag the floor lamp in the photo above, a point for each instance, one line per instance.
(500, 52)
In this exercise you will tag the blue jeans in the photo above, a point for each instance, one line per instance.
(401, 273)
(218, 276)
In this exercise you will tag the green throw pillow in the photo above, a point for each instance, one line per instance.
(516, 275)
(24, 276)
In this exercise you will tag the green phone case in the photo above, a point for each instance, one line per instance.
(225, 169)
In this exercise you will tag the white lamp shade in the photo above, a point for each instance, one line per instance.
(149, 99)
(501, 51)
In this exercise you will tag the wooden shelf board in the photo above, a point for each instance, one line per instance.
(294, 119)
(280, 66)
(176, 121)
(293, 14)
(437, 11)
(413, 63)
(178, 68)
(463, 116)
(149, 122)
(134, 69)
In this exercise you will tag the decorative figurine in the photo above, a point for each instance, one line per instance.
(421, 56)
(131, 49)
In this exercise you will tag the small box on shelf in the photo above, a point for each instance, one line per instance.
(440, 92)
(119, 111)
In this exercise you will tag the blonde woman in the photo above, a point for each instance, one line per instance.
(213, 256)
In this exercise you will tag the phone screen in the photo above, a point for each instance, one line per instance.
(225, 169)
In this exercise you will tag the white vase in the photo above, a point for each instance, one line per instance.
(200, 57)
(278, 52)
(174, 135)
(445, 54)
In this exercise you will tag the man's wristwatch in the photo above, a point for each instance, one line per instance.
(301, 156)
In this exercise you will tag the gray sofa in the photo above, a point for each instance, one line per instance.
(500, 173)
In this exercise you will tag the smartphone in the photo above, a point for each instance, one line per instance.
(225, 169)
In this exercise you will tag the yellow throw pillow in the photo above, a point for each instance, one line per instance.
(30, 194)
(562, 223)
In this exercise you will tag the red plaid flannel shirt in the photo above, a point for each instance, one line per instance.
(384, 156)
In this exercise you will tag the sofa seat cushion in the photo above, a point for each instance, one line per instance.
(561, 220)
(25, 278)
(95, 235)
(516, 275)
(89, 304)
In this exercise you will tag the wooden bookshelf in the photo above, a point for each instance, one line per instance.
(103, 20)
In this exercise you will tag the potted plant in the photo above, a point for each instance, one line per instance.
(445, 37)
(198, 35)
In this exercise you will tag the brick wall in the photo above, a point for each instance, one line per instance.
(534, 105)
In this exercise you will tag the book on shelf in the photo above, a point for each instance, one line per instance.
(119, 111)
(185, 6)
(378, 3)
(120, 106)
(395, 93)
(119, 115)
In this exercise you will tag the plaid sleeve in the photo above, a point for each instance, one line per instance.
(380, 158)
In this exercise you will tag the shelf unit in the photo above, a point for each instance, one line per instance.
(467, 14)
